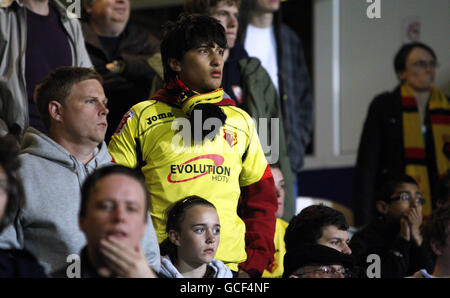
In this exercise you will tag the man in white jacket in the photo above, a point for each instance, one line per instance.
(72, 105)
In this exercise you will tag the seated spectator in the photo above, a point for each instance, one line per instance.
(13, 263)
(316, 261)
(193, 230)
(223, 162)
(436, 234)
(275, 269)
(72, 105)
(318, 224)
(443, 191)
(119, 51)
(113, 216)
(404, 133)
(395, 234)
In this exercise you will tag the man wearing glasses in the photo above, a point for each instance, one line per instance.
(394, 236)
(317, 261)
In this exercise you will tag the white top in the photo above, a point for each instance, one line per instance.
(261, 43)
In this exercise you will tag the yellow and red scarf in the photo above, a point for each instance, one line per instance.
(438, 111)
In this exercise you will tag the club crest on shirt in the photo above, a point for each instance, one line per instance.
(230, 137)
(129, 115)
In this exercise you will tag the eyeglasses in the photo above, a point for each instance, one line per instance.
(405, 196)
(326, 271)
(423, 64)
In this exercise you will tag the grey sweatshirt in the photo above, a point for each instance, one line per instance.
(47, 225)
(168, 270)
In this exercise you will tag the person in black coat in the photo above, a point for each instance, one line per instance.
(119, 51)
(13, 263)
(393, 239)
(382, 149)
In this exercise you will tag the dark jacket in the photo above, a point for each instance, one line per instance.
(19, 263)
(399, 257)
(131, 86)
(381, 153)
(295, 91)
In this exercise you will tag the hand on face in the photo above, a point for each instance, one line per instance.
(405, 232)
(414, 218)
(123, 261)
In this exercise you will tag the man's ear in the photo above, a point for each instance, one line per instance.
(174, 237)
(55, 110)
(435, 248)
(381, 206)
(174, 64)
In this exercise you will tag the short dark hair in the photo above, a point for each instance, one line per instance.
(175, 215)
(10, 164)
(189, 32)
(307, 227)
(435, 227)
(391, 183)
(100, 173)
(58, 86)
(205, 6)
(403, 53)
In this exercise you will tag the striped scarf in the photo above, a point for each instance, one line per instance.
(438, 111)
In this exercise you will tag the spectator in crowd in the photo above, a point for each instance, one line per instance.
(193, 230)
(13, 263)
(275, 269)
(318, 224)
(404, 133)
(436, 234)
(224, 163)
(248, 84)
(73, 107)
(119, 51)
(39, 36)
(316, 261)
(395, 235)
(113, 216)
(282, 57)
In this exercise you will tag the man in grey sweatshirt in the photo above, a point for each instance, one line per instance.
(72, 105)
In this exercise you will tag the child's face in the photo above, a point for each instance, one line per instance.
(199, 235)
(201, 67)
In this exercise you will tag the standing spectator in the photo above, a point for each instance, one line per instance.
(404, 133)
(119, 51)
(395, 235)
(193, 230)
(436, 234)
(13, 262)
(113, 216)
(282, 57)
(249, 85)
(73, 107)
(37, 36)
(224, 163)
